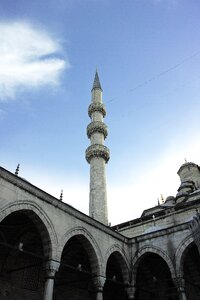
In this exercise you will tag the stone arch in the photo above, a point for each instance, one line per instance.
(89, 244)
(188, 267)
(122, 259)
(155, 250)
(80, 265)
(116, 273)
(180, 253)
(41, 221)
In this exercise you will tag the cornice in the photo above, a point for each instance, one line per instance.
(43, 196)
(96, 107)
(97, 150)
(97, 126)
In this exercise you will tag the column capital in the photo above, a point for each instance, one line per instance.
(99, 282)
(130, 290)
(179, 283)
(51, 267)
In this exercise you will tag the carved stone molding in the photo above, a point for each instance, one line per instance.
(179, 283)
(97, 127)
(130, 290)
(195, 229)
(51, 267)
(99, 282)
(97, 150)
(96, 107)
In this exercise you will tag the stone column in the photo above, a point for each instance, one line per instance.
(99, 282)
(50, 268)
(130, 290)
(180, 285)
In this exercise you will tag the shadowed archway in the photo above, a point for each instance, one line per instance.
(24, 241)
(153, 279)
(191, 272)
(78, 268)
(115, 285)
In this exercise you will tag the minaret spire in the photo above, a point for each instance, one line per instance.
(97, 155)
(96, 84)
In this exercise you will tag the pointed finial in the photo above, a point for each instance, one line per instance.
(162, 198)
(96, 83)
(61, 195)
(17, 170)
(158, 201)
(185, 160)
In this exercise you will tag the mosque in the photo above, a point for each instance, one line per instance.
(51, 251)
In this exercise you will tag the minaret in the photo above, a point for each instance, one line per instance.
(97, 155)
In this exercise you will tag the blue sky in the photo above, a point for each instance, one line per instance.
(148, 56)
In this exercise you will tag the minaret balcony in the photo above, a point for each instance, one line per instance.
(97, 150)
(96, 107)
(97, 126)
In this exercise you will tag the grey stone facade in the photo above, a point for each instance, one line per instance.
(49, 250)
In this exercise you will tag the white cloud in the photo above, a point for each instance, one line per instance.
(28, 58)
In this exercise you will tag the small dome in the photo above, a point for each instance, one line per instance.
(170, 200)
(187, 165)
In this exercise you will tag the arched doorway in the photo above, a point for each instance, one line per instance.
(22, 256)
(115, 285)
(79, 264)
(191, 272)
(153, 279)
